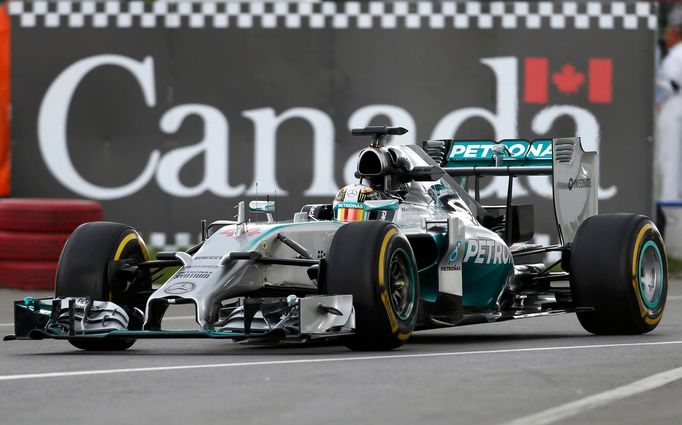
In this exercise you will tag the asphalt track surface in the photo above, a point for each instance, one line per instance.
(531, 371)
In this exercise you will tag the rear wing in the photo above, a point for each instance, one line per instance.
(466, 155)
(574, 172)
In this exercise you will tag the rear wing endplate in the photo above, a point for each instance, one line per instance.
(575, 184)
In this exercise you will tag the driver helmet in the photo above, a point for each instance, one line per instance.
(349, 204)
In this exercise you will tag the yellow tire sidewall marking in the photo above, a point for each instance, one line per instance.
(119, 251)
(389, 311)
(143, 247)
(382, 254)
(125, 241)
(384, 290)
(129, 237)
(404, 336)
(635, 277)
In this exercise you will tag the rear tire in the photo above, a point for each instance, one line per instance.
(83, 271)
(373, 261)
(618, 267)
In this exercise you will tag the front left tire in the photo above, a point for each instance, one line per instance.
(374, 262)
(84, 271)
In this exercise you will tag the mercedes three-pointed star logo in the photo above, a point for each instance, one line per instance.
(180, 287)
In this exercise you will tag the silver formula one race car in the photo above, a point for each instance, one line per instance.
(404, 249)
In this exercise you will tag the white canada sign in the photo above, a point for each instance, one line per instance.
(214, 147)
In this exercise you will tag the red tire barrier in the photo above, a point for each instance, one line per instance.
(31, 246)
(28, 274)
(47, 215)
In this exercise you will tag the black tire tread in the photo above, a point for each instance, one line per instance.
(83, 269)
(352, 265)
(601, 277)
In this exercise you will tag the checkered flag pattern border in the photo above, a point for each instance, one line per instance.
(327, 14)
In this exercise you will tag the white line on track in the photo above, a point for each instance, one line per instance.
(322, 360)
(573, 408)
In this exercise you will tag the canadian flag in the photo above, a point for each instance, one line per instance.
(568, 80)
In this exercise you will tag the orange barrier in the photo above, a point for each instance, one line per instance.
(4, 101)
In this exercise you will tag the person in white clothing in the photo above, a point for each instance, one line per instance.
(669, 111)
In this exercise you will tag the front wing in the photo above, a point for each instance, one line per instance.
(292, 318)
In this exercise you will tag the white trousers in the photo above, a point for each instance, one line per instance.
(668, 148)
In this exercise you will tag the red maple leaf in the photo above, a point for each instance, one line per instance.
(568, 81)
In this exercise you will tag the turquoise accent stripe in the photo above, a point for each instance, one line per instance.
(428, 276)
(259, 238)
(483, 283)
(653, 304)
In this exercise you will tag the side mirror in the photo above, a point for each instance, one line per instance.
(267, 207)
(262, 206)
(384, 204)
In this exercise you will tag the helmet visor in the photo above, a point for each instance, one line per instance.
(351, 214)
